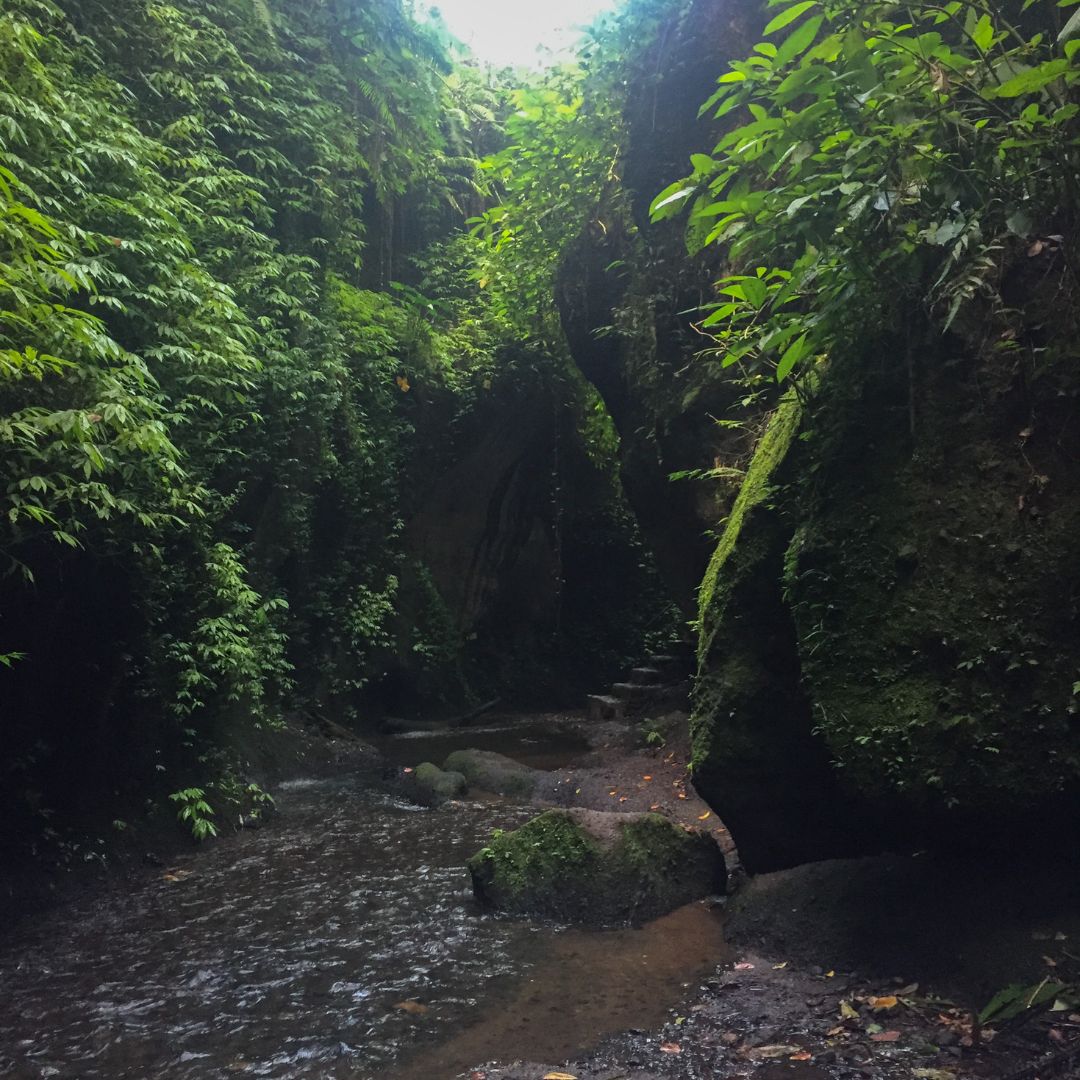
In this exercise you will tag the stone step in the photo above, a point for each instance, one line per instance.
(653, 699)
(645, 676)
(604, 707)
(672, 668)
(629, 691)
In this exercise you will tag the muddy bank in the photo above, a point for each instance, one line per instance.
(768, 1017)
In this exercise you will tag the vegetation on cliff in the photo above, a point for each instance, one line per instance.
(243, 334)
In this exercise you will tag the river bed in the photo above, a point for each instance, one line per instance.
(338, 941)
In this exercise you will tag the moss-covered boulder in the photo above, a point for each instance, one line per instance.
(889, 628)
(933, 580)
(593, 867)
(493, 772)
(435, 785)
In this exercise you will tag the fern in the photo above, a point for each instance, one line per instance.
(378, 101)
(262, 12)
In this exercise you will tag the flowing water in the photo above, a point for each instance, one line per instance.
(339, 941)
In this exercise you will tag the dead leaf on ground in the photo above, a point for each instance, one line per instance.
(670, 1048)
(885, 1036)
(880, 1004)
(933, 1074)
(413, 1008)
(779, 967)
(778, 1051)
(847, 1012)
(702, 817)
(744, 966)
(646, 777)
(803, 1055)
(655, 806)
(559, 1076)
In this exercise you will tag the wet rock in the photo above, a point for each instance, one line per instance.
(594, 867)
(436, 785)
(493, 772)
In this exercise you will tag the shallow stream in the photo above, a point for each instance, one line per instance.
(339, 941)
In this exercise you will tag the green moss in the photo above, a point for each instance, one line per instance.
(756, 488)
(493, 772)
(652, 849)
(734, 621)
(936, 625)
(553, 866)
(427, 772)
(538, 857)
(432, 779)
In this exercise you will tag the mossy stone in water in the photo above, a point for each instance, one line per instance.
(493, 772)
(593, 867)
(437, 784)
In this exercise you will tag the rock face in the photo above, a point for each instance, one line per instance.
(493, 772)
(624, 273)
(895, 597)
(889, 622)
(593, 867)
(513, 588)
(755, 756)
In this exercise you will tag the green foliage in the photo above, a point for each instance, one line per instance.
(195, 383)
(234, 651)
(561, 154)
(240, 319)
(1016, 1000)
(195, 812)
(878, 161)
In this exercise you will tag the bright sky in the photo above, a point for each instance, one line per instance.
(508, 32)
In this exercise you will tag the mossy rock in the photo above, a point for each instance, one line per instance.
(493, 772)
(588, 866)
(756, 759)
(933, 581)
(434, 785)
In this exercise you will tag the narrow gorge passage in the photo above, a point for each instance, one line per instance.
(539, 539)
